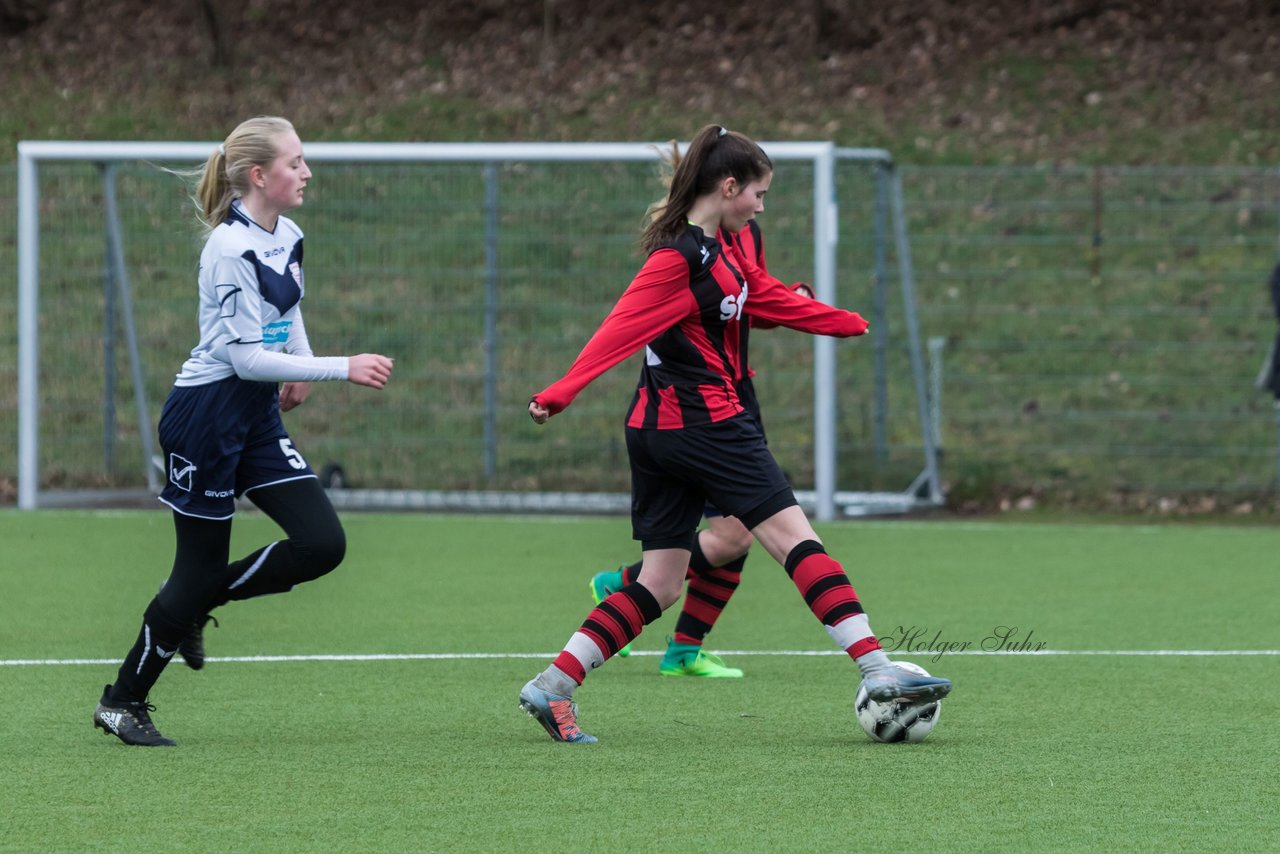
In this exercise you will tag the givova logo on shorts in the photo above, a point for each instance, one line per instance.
(181, 472)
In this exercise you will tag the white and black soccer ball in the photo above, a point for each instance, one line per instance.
(897, 720)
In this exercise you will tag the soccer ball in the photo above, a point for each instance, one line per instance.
(897, 720)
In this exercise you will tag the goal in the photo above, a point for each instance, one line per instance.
(482, 268)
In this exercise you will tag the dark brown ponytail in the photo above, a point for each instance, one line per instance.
(713, 155)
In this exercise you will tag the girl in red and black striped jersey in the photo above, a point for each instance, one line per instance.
(720, 548)
(689, 439)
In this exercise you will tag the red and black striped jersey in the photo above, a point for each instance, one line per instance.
(750, 244)
(749, 241)
(686, 308)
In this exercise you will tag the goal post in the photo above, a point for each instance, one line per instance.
(592, 190)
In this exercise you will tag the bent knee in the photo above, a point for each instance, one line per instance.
(739, 542)
(323, 553)
(665, 588)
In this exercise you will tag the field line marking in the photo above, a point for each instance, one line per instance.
(798, 653)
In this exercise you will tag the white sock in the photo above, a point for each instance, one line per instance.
(873, 662)
(583, 648)
(849, 631)
(553, 680)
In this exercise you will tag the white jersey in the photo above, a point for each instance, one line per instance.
(251, 289)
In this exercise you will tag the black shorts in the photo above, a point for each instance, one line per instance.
(222, 440)
(674, 473)
(746, 390)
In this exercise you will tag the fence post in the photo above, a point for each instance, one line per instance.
(28, 330)
(936, 346)
(490, 319)
(826, 215)
(880, 325)
(108, 336)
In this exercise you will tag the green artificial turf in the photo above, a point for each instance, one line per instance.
(394, 750)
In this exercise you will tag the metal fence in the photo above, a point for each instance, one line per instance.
(1102, 326)
(445, 254)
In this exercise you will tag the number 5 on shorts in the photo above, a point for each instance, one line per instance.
(291, 454)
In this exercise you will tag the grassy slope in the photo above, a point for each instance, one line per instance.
(1000, 82)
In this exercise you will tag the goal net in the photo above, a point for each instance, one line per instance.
(482, 269)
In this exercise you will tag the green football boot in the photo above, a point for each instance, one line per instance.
(682, 659)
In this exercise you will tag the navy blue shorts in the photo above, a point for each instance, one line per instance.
(222, 440)
(674, 473)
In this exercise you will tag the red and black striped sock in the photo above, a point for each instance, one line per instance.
(825, 587)
(610, 626)
(631, 574)
(708, 594)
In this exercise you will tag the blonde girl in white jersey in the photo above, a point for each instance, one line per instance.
(220, 429)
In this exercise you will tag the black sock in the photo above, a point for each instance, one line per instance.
(698, 561)
(157, 642)
(631, 573)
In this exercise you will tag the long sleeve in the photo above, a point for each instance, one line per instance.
(251, 362)
(298, 343)
(657, 299)
(775, 303)
(761, 323)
